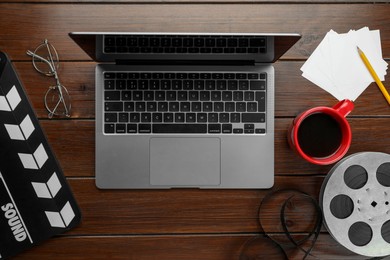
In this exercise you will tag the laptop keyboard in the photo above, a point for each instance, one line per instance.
(183, 44)
(188, 103)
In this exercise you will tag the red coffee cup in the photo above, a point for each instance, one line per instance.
(322, 135)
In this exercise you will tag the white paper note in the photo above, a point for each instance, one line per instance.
(336, 66)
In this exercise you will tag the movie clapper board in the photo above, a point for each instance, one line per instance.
(36, 202)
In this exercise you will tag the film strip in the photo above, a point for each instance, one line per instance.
(276, 214)
(355, 199)
(36, 202)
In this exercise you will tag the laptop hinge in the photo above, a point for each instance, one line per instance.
(188, 62)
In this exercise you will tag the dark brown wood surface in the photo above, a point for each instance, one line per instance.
(186, 223)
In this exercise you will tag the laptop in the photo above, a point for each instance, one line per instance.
(184, 110)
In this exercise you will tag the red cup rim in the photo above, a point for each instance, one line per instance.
(345, 128)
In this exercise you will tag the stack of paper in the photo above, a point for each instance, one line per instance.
(336, 66)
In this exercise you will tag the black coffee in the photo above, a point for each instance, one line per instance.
(319, 135)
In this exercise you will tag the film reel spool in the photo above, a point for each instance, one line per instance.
(355, 200)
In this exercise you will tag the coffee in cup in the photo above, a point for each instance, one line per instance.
(322, 135)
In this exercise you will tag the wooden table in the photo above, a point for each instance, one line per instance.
(184, 223)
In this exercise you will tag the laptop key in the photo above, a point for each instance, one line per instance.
(168, 117)
(185, 106)
(133, 75)
(199, 85)
(249, 96)
(123, 117)
(129, 106)
(179, 128)
(221, 85)
(134, 117)
(253, 117)
(193, 96)
(110, 117)
(109, 128)
(109, 75)
(182, 95)
(205, 75)
(257, 85)
(146, 117)
(214, 128)
(190, 117)
(137, 95)
(157, 117)
(109, 49)
(131, 84)
(210, 85)
(252, 107)
(238, 131)
(224, 117)
(120, 84)
(188, 85)
(227, 128)
(113, 106)
(120, 128)
(146, 75)
(230, 106)
(131, 128)
(151, 106)
(241, 76)
(227, 96)
(165, 84)
(196, 107)
(243, 84)
(109, 84)
(126, 95)
(144, 128)
(179, 118)
(112, 95)
(232, 85)
(154, 84)
(241, 107)
(140, 106)
(204, 96)
(109, 41)
(260, 131)
(177, 85)
(213, 117)
(201, 117)
(162, 106)
(260, 98)
(174, 106)
(143, 84)
(235, 117)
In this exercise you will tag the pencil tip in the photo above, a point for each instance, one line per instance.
(359, 50)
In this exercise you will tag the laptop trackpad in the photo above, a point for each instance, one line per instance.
(189, 162)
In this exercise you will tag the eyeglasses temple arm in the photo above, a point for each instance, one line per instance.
(32, 54)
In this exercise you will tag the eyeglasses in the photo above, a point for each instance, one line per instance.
(45, 61)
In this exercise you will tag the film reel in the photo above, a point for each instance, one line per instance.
(355, 200)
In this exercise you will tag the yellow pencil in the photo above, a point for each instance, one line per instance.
(374, 75)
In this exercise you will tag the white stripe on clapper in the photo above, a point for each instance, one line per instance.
(16, 208)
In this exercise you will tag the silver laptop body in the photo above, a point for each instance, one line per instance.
(151, 144)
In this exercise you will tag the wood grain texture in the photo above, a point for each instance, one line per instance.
(73, 141)
(294, 94)
(191, 247)
(29, 24)
(187, 223)
(198, 2)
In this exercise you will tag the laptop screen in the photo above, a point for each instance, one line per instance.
(119, 46)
